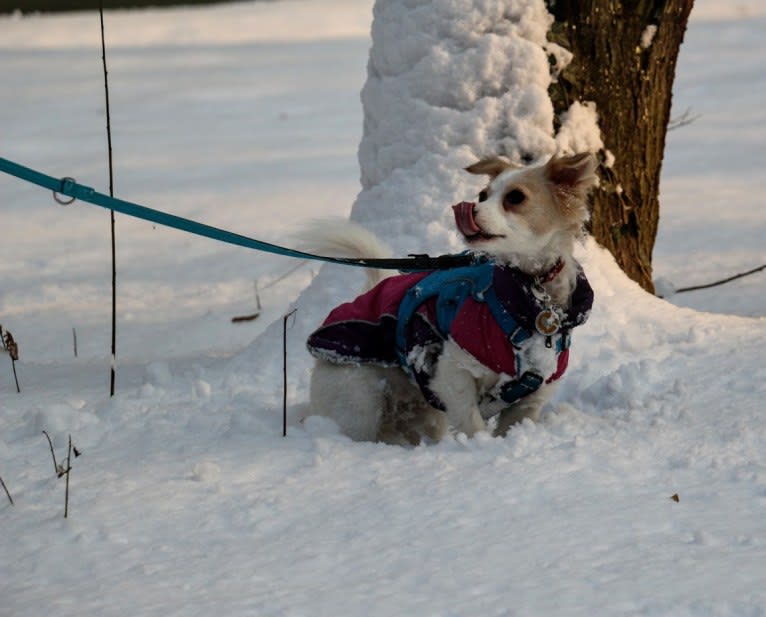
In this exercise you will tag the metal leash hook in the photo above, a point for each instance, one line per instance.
(67, 184)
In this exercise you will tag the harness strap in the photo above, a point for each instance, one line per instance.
(451, 289)
(70, 188)
(515, 333)
(521, 387)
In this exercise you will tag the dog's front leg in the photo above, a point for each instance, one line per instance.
(528, 407)
(456, 387)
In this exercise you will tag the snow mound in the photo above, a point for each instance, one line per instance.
(642, 489)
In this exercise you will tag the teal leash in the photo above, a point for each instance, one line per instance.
(74, 190)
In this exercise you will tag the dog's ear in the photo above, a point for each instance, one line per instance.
(573, 174)
(489, 167)
(571, 179)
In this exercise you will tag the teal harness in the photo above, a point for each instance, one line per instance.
(450, 289)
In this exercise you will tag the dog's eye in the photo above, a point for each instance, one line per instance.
(483, 196)
(513, 198)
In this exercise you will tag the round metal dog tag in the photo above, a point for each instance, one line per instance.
(547, 322)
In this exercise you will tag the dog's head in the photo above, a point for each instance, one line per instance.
(528, 213)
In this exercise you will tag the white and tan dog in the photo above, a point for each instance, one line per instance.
(419, 353)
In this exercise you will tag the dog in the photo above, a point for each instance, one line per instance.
(420, 353)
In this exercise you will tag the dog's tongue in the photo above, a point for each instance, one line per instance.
(464, 218)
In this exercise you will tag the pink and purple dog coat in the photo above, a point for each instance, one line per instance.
(487, 309)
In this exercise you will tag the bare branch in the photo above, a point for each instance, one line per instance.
(728, 279)
(68, 471)
(57, 469)
(5, 488)
(11, 347)
(284, 370)
(686, 118)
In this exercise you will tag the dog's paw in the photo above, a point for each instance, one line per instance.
(475, 440)
(471, 427)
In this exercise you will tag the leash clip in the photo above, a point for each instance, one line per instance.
(422, 261)
(67, 185)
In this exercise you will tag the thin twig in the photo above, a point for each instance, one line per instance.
(5, 488)
(257, 313)
(74, 341)
(722, 281)
(68, 471)
(251, 316)
(113, 369)
(283, 276)
(686, 118)
(242, 318)
(56, 469)
(12, 348)
(284, 371)
(15, 376)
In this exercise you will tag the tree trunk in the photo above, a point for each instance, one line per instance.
(624, 60)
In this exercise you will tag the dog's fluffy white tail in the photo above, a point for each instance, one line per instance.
(337, 237)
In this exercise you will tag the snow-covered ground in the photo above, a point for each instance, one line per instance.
(187, 500)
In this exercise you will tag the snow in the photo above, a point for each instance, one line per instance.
(187, 499)
(647, 36)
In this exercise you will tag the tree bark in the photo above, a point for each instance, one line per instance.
(625, 54)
